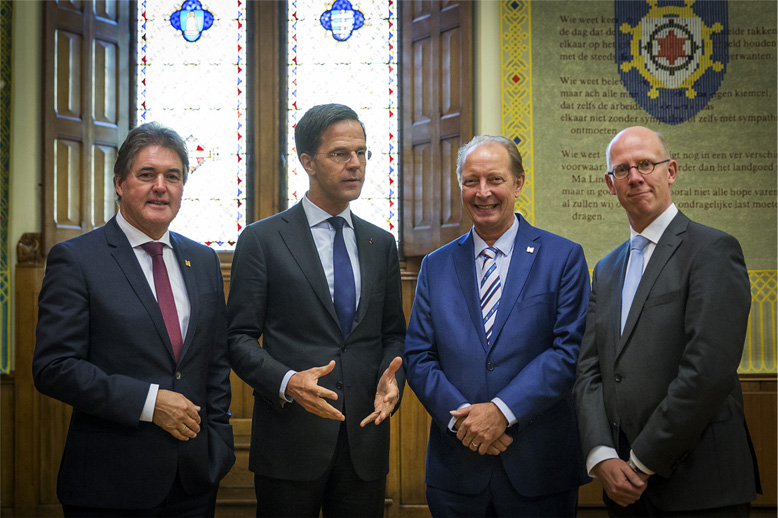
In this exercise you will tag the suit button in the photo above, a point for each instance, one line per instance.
(489, 367)
(178, 375)
(617, 378)
(339, 385)
(615, 424)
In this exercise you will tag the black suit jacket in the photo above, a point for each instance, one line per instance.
(670, 380)
(278, 291)
(101, 341)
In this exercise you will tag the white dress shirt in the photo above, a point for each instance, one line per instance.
(137, 238)
(653, 233)
(504, 246)
(324, 236)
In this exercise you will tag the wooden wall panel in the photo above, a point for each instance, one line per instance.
(7, 436)
(67, 183)
(437, 100)
(86, 81)
(104, 198)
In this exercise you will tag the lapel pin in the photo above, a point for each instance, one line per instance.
(187, 263)
(530, 249)
(371, 241)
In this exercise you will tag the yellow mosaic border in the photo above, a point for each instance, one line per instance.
(516, 80)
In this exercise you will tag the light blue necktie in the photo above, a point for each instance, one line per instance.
(634, 272)
(345, 292)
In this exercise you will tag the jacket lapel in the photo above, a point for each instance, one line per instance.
(299, 240)
(190, 281)
(125, 257)
(368, 265)
(526, 248)
(464, 264)
(664, 250)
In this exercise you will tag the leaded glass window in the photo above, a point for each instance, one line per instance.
(191, 60)
(346, 52)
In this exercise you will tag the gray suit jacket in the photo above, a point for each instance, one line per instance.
(279, 292)
(670, 380)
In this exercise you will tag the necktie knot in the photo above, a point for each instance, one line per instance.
(489, 252)
(153, 248)
(639, 243)
(337, 222)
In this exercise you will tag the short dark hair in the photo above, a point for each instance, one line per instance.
(517, 169)
(309, 129)
(149, 134)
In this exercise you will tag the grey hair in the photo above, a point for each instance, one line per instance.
(517, 169)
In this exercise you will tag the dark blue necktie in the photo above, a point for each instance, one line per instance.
(345, 290)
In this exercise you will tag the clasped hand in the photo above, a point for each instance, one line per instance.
(175, 414)
(621, 484)
(481, 428)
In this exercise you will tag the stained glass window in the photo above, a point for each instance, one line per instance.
(356, 67)
(191, 76)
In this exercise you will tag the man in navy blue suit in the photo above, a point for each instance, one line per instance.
(132, 332)
(491, 351)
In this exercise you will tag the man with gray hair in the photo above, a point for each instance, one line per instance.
(491, 350)
(660, 406)
(132, 332)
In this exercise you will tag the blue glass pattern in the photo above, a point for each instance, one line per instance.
(342, 20)
(191, 20)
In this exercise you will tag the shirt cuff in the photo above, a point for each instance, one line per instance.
(282, 392)
(454, 419)
(639, 464)
(509, 416)
(147, 414)
(597, 455)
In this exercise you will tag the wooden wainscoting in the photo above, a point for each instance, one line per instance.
(34, 429)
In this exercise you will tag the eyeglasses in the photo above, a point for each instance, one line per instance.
(644, 167)
(342, 157)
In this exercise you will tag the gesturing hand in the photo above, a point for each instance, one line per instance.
(175, 414)
(387, 394)
(304, 388)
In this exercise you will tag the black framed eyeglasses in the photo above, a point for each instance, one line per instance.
(644, 167)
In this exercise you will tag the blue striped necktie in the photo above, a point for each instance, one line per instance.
(490, 290)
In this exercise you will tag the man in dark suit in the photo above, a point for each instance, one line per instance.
(660, 407)
(321, 287)
(150, 388)
(491, 351)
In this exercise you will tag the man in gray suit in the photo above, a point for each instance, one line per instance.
(660, 407)
(321, 287)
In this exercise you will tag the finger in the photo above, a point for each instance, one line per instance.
(369, 419)
(634, 478)
(322, 392)
(323, 371)
(461, 412)
(330, 412)
(393, 367)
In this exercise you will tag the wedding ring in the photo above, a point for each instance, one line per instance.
(473, 446)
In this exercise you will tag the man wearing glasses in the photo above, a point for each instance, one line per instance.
(321, 287)
(660, 407)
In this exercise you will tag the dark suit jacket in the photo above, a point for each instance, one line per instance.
(101, 341)
(279, 292)
(670, 380)
(530, 365)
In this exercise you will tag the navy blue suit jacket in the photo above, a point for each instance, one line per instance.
(530, 365)
(101, 340)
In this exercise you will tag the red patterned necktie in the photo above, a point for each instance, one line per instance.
(167, 303)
